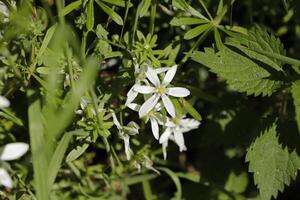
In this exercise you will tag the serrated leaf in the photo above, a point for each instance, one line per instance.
(186, 21)
(194, 32)
(296, 97)
(259, 40)
(114, 16)
(273, 166)
(240, 72)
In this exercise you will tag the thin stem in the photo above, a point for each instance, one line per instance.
(83, 44)
(59, 5)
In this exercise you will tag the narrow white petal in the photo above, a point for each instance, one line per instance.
(165, 136)
(161, 70)
(127, 146)
(178, 136)
(148, 105)
(134, 106)
(168, 105)
(115, 120)
(5, 179)
(154, 127)
(152, 76)
(4, 102)
(178, 92)
(169, 75)
(143, 89)
(13, 151)
(164, 147)
(131, 95)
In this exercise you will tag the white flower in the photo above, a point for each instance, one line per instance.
(11, 151)
(4, 102)
(174, 131)
(160, 91)
(132, 128)
(154, 117)
(140, 76)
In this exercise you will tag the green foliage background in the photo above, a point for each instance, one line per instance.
(238, 59)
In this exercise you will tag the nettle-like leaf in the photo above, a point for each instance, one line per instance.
(258, 40)
(241, 72)
(272, 164)
(296, 97)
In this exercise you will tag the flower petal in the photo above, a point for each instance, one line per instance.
(131, 95)
(179, 139)
(143, 89)
(154, 127)
(134, 106)
(165, 136)
(178, 92)
(161, 70)
(128, 151)
(115, 120)
(13, 151)
(4, 102)
(189, 123)
(5, 179)
(148, 105)
(169, 75)
(164, 147)
(152, 76)
(168, 105)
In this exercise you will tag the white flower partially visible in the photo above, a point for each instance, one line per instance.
(154, 117)
(132, 128)
(11, 151)
(4, 11)
(4, 102)
(174, 131)
(160, 91)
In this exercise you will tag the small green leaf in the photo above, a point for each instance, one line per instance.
(186, 21)
(194, 32)
(218, 39)
(76, 153)
(296, 97)
(72, 6)
(90, 16)
(114, 16)
(120, 3)
(143, 7)
(47, 38)
(190, 109)
(273, 165)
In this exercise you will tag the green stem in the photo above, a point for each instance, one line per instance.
(282, 58)
(196, 44)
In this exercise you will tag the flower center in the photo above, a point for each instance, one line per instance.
(176, 121)
(161, 90)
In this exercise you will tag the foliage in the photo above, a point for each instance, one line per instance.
(115, 98)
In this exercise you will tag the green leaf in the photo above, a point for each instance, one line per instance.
(258, 39)
(218, 39)
(37, 145)
(90, 16)
(183, 5)
(190, 109)
(296, 97)
(174, 177)
(47, 39)
(120, 3)
(59, 153)
(77, 152)
(143, 7)
(186, 21)
(114, 16)
(72, 6)
(273, 166)
(194, 32)
(240, 72)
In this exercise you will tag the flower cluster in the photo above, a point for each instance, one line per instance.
(8, 152)
(155, 86)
